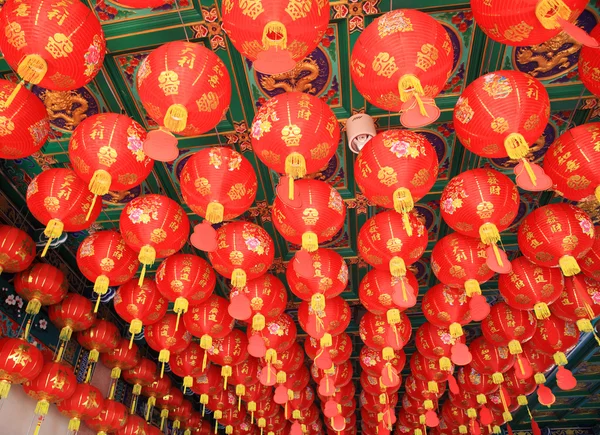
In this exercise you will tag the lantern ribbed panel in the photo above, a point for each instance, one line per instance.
(102, 336)
(580, 292)
(246, 372)
(529, 284)
(457, 258)
(291, 359)
(518, 387)
(514, 22)
(370, 384)
(505, 324)
(477, 197)
(142, 374)
(392, 160)
(111, 143)
(572, 162)
(19, 370)
(443, 306)
(221, 177)
(185, 87)
(267, 295)
(343, 394)
(42, 282)
(374, 329)
(209, 318)
(24, 125)
(171, 400)
(323, 213)
(489, 358)
(160, 386)
(58, 194)
(498, 104)
(74, 311)
(185, 276)
(144, 303)
(279, 334)
(589, 65)
(398, 43)
(418, 389)
(135, 425)
(550, 233)
(454, 415)
(464, 400)
(590, 264)
(540, 362)
(55, 382)
(121, 356)
(428, 369)
(555, 335)
(412, 405)
(230, 350)
(112, 417)
(85, 403)
(17, 249)
(372, 363)
(475, 382)
(162, 335)
(333, 319)
(434, 342)
(295, 123)
(330, 276)
(376, 289)
(66, 36)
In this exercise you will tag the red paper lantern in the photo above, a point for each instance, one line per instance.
(244, 252)
(437, 343)
(571, 161)
(555, 336)
(401, 62)
(155, 226)
(187, 364)
(17, 249)
(62, 202)
(590, 265)
(139, 305)
(320, 217)
(278, 336)
(378, 290)
(41, 284)
(589, 65)
(121, 357)
(539, 361)
(295, 133)
(59, 47)
(372, 385)
(105, 259)
(531, 287)
(244, 374)
(428, 369)
(24, 127)
(20, 361)
(101, 337)
(476, 383)
(556, 235)
(165, 338)
(333, 319)
(385, 334)
(85, 403)
(229, 351)
(371, 362)
(339, 376)
(302, 399)
(135, 426)
(142, 375)
(339, 351)
(457, 417)
(505, 326)
(491, 360)
(106, 152)
(185, 279)
(74, 313)
(112, 418)
(169, 402)
(419, 389)
(373, 403)
(446, 307)
(518, 387)
(290, 360)
(55, 382)
(579, 302)
(159, 388)
(181, 413)
(218, 184)
(384, 243)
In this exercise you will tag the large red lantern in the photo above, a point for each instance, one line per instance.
(379, 291)
(386, 334)
(490, 360)
(101, 337)
(165, 338)
(105, 259)
(438, 343)
(181, 413)
(555, 336)
(135, 426)
(85, 403)
(476, 383)
(502, 114)
(20, 361)
(244, 251)
(187, 364)
(396, 168)
(571, 161)
(531, 287)
(55, 382)
(62, 202)
(121, 357)
(243, 375)
(339, 351)
(446, 307)
(159, 388)
(155, 226)
(112, 418)
(540, 362)
(24, 127)
(505, 326)
(209, 383)
(142, 375)
(74, 313)
(41, 284)
(589, 65)
(185, 88)
(229, 351)
(333, 319)
(139, 305)
(169, 402)
(289, 360)
(106, 152)
(295, 133)
(401, 62)
(185, 280)
(579, 302)
(590, 265)
(519, 387)
(556, 235)
(59, 47)
(218, 184)
(339, 376)
(17, 249)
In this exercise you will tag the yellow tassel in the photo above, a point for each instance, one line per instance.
(410, 86)
(507, 416)
(560, 359)
(522, 400)
(541, 311)
(432, 387)
(539, 378)
(462, 429)
(133, 406)
(585, 325)
(291, 395)
(65, 333)
(135, 327)
(225, 373)
(481, 399)
(100, 183)
(100, 288)
(53, 230)
(404, 203)
(271, 356)
(149, 405)
(137, 389)
(393, 316)
(281, 377)
(215, 212)
(597, 193)
(445, 364)
(418, 431)
(258, 322)
(4, 389)
(238, 278)
(317, 302)
(497, 430)
(180, 307)
(489, 234)
(218, 414)
(568, 265)
(456, 330)
(6, 103)
(188, 382)
(147, 256)
(262, 422)
(295, 165)
(514, 347)
(428, 404)
(471, 413)
(228, 429)
(516, 146)
(164, 414)
(240, 390)
(42, 407)
(422, 418)
(33, 306)
(497, 378)
(310, 241)
(291, 187)
(278, 28)
(176, 118)
(547, 12)
(397, 267)
(382, 399)
(74, 424)
(32, 68)
(94, 354)
(388, 354)
(326, 340)
(530, 172)
(472, 287)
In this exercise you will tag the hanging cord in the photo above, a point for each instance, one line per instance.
(187, 38)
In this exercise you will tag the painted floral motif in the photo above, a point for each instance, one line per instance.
(253, 244)
(43, 324)
(446, 338)
(596, 298)
(335, 201)
(93, 57)
(343, 273)
(143, 214)
(455, 194)
(265, 116)
(135, 143)
(87, 247)
(587, 227)
(276, 329)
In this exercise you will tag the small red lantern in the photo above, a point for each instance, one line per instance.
(41, 284)
(320, 217)
(155, 226)
(457, 417)
(159, 388)
(218, 184)
(165, 338)
(518, 387)
(120, 358)
(185, 279)
(20, 362)
(539, 361)
(339, 376)
(208, 383)
(17, 249)
(378, 290)
(244, 251)
(491, 360)
(112, 418)
(589, 65)
(385, 334)
(438, 343)
(24, 127)
(243, 375)
(142, 375)
(333, 319)
(428, 369)
(139, 305)
(579, 302)
(74, 313)
(187, 364)
(371, 362)
(62, 202)
(85, 403)
(339, 351)
(531, 287)
(590, 265)
(446, 307)
(401, 62)
(505, 326)
(556, 235)
(169, 402)
(135, 426)
(105, 259)
(55, 382)
(185, 88)
(181, 413)
(476, 383)
(289, 360)
(229, 351)
(555, 336)
(59, 47)
(101, 337)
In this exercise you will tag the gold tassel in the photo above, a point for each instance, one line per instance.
(147, 256)
(188, 382)
(516, 146)
(597, 193)
(403, 204)
(176, 424)
(539, 378)
(135, 327)
(99, 185)
(462, 429)
(388, 353)
(291, 187)
(326, 340)
(180, 307)
(481, 399)
(176, 118)
(560, 359)
(382, 399)
(258, 322)
(296, 414)
(65, 333)
(489, 234)
(53, 230)
(507, 416)
(228, 429)
(4, 389)
(568, 265)
(393, 316)
(33, 307)
(522, 400)
(225, 373)
(418, 431)
(295, 166)
(397, 267)
(471, 413)
(445, 364)
(149, 405)
(281, 377)
(433, 387)
(497, 430)
(74, 424)
(134, 400)
(514, 347)
(203, 402)
(215, 212)
(262, 422)
(410, 86)
(428, 404)
(456, 330)
(42, 407)
(541, 311)
(205, 343)
(317, 302)
(585, 325)
(310, 241)
(6, 103)
(291, 395)
(547, 11)
(278, 28)
(164, 414)
(137, 389)
(94, 354)
(271, 356)
(497, 378)
(422, 418)
(238, 278)
(472, 287)
(100, 287)
(32, 68)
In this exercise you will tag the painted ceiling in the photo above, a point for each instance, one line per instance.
(132, 34)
